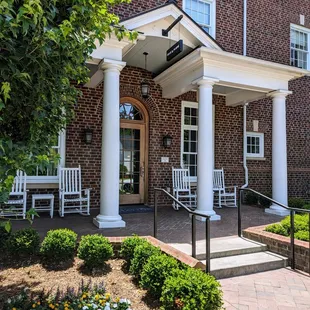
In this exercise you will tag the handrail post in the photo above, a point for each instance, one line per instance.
(155, 214)
(292, 240)
(194, 235)
(208, 267)
(239, 213)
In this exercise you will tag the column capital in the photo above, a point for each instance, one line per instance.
(205, 81)
(280, 93)
(111, 65)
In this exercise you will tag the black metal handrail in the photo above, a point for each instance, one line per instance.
(292, 223)
(194, 214)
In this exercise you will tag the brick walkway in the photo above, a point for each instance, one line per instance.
(173, 226)
(279, 289)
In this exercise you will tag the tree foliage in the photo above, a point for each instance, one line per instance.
(43, 48)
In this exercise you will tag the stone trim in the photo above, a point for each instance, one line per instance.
(180, 256)
(281, 245)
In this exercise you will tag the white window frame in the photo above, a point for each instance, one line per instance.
(304, 30)
(259, 135)
(191, 104)
(212, 25)
(44, 179)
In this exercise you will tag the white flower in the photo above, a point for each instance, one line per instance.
(85, 308)
(94, 306)
(9, 301)
(107, 307)
(115, 306)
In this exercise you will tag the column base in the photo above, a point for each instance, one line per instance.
(214, 216)
(276, 210)
(102, 221)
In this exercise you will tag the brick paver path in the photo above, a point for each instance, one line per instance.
(278, 289)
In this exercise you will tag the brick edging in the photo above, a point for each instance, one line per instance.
(281, 245)
(166, 248)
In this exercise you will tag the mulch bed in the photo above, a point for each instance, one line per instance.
(15, 276)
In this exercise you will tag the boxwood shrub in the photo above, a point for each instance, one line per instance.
(190, 289)
(156, 271)
(95, 250)
(23, 242)
(301, 230)
(141, 254)
(59, 244)
(294, 202)
(128, 247)
(4, 236)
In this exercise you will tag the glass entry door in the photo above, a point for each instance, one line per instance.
(132, 160)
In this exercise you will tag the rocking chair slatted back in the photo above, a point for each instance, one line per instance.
(70, 181)
(180, 179)
(218, 179)
(19, 185)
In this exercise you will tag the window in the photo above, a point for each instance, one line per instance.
(255, 144)
(189, 139)
(50, 174)
(300, 38)
(202, 12)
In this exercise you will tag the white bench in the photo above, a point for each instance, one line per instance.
(49, 208)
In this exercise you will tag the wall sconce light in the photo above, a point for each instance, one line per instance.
(167, 141)
(145, 85)
(88, 135)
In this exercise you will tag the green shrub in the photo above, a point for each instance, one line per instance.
(302, 235)
(277, 229)
(95, 250)
(23, 242)
(141, 254)
(4, 236)
(128, 247)
(301, 222)
(156, 271)
(191, 289)
(250, 198)
(306, 206)
(296, 203)
(265, 202)
(59, 244)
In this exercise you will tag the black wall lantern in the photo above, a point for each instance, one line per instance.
(88, 135)
(167, 141)
(145, 85)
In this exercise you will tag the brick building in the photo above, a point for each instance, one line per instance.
(242, 61)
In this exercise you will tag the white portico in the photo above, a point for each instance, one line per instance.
(204, 67)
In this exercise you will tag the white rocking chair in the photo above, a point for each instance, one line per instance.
(182, 187)
(220, 190)
(16, 206)
(71, 199)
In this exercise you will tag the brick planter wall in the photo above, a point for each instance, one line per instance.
(281, 245)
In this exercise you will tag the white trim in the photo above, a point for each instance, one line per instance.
(43, 179)
(193, 104)
(304, 30)
(259, 135)
(212, 26)
(139, 21)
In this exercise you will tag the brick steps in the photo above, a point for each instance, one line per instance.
(234, 256)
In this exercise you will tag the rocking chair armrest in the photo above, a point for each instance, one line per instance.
(85, 190)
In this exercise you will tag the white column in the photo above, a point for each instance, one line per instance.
(205, 149)
(109, 191)
(279, 152)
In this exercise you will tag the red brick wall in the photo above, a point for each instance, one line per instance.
(268, 38)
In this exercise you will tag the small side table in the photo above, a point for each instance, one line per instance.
(44, 208)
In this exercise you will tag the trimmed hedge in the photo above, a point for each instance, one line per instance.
(23, 242)
(141, 255)
(95, 250)
(157, 269)
(190, 289)
(128, 247)
(59, 244)
(283, 228)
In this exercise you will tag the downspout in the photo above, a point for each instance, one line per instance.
(245, 167)
(246, 171)
(245, 10)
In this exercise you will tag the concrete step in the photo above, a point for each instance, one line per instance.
(222, 247)
(238, 265)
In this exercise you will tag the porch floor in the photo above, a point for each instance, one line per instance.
(173, 226)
